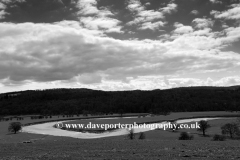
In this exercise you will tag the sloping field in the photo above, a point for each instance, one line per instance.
(70, 149)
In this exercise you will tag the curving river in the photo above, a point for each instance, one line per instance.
(48, 129)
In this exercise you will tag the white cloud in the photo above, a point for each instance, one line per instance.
(97, 19)
(73, 54)
(233, 13)
(152, 26)
(232, 35)
(2, 6)
(2, 14)
(203, 32)
(147, 4)
(2, 10)
(146, 16)
(228, 81)
(135, 6)
(87, 7)
(105, 23)
(216, 1)
(187, 82)
(194, 12)
(181, 29)
(202, 23)
(93, 78)
(65, 51)
(148, 19)
(171, 7)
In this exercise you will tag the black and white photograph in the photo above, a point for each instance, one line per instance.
(119, 79)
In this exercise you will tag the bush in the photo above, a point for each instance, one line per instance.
(15, 127)
(142, 136)
(185, 136)
(218, 137)
(131, 134)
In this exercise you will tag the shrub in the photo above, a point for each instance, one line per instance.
(185, 136)
(131, 134)
(142, 136)
(218, 137)
(231, 129)
(15, 127)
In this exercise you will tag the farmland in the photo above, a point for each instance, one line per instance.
(158, 144)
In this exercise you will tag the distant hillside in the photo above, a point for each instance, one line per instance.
(77, 101)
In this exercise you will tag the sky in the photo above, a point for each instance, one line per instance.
(118, 44)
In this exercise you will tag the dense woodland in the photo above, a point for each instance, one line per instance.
(77, 101)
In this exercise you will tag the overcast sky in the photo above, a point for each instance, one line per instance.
(118, 44)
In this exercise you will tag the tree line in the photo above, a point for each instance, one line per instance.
(83, 101)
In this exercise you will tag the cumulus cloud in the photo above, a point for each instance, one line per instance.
(194, 12)
(101, 23)
(152, 25)
(97, 19)
(203, 32)
(181, 29)
(2, 6)
(233, 34)
(233, 13)
(80, 54)
(147, 4)
(88, 7)
(204, 38)
(216, 1)
(201, 23)
(135, 6)
(2, 14)
(64, 52)
(149, 19)
(171, 7)
(2, 10)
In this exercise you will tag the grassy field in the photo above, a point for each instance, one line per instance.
(158, 144)
(57, 148)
